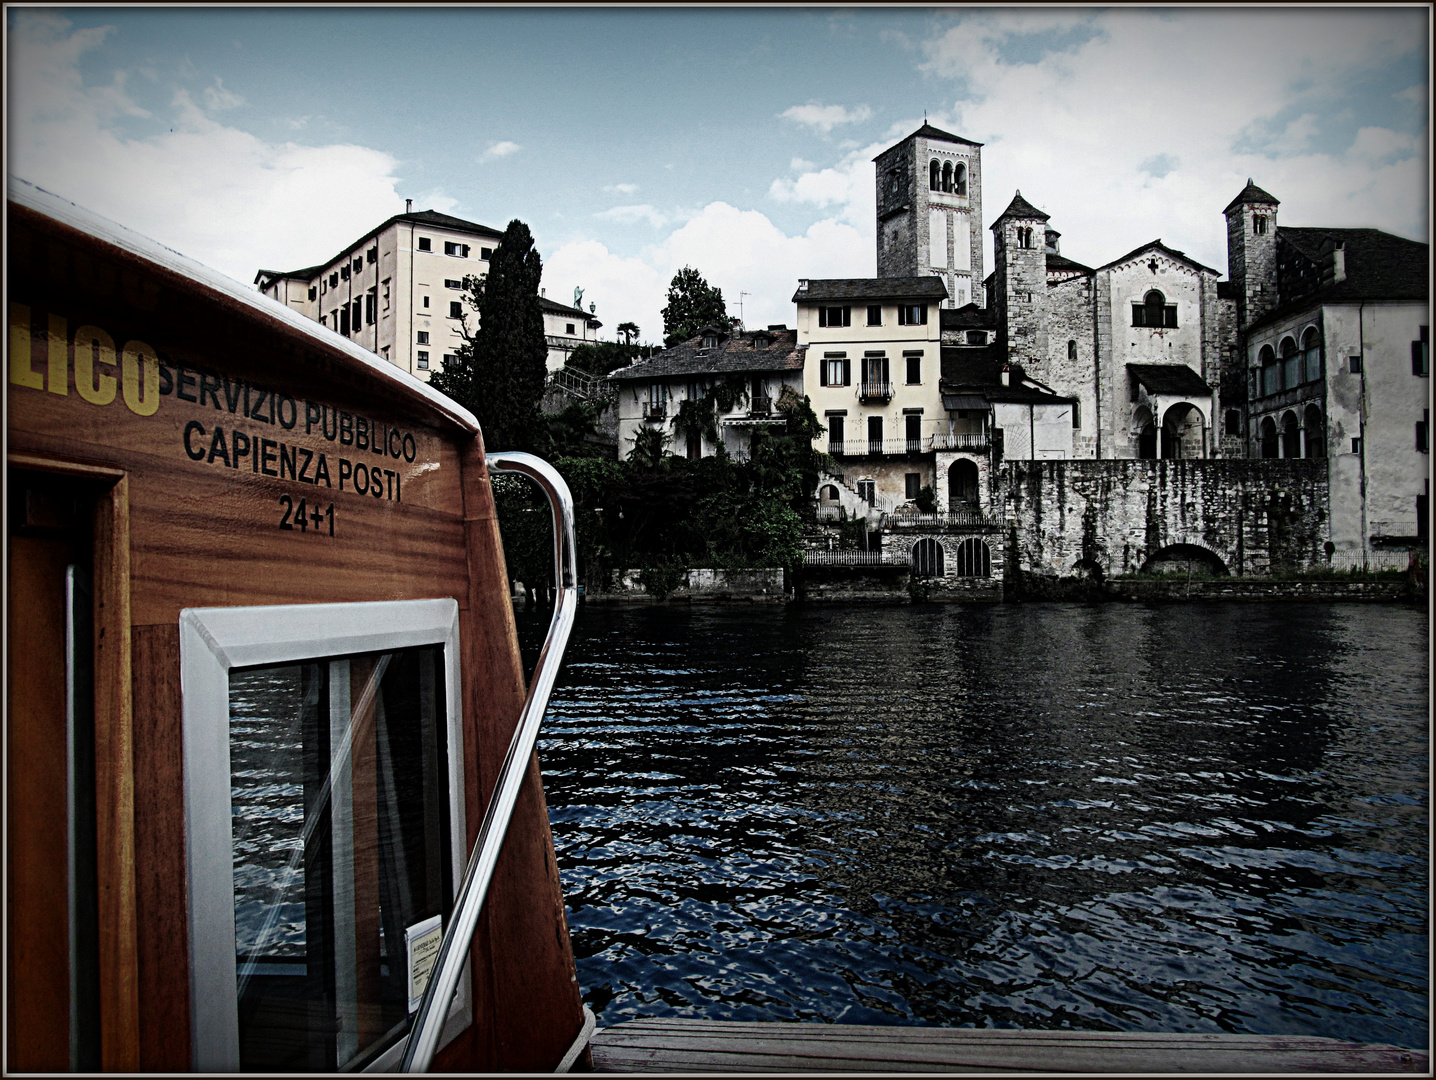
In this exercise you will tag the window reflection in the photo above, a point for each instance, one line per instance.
(340, 801)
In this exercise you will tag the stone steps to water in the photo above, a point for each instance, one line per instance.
(672, 1044)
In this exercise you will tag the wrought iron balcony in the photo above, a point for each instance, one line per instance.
(655, 410)
(761, 406)
(964, 441)
(953, 519)
(875, 391)
(878, 447)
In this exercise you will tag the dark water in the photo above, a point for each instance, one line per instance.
(1178, 818)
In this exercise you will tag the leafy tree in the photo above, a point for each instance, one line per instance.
(692, 305)
(500, 369)
(628, 331)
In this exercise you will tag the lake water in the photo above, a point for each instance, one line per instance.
(1118, 817)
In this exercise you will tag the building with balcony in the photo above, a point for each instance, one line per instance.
(1336, 348)
(715, 389)
(566, 328)
(398, 290)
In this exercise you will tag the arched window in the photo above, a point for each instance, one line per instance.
(1155, 305)
(830, 492)
(973, 558)
(934, 176)
(1071, 350)
(1311, 354)
(947, 176)
(1290, 436)
(927, 558)
(1290, 363)
(1270, 371)
(1269, 442)
(959, 179)
(1315, 428)
(962, 482)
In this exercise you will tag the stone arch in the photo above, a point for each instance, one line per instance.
(959, 179)
(1090, 569)
(1146, 431)
(1290, 435)
(927, 558)
(830, 492)
(1183, 426)
(1270, 444)
(947, 176)
(1183, 559)
(1315, 428)
(1290, 362)
(962, 485)
(1311, 354)
(974, 559)
(1270, 371)
(934, 176)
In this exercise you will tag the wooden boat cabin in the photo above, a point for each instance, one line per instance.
(262, 677)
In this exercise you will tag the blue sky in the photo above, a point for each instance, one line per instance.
(739, 141)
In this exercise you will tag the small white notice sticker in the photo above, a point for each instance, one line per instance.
(422, 941)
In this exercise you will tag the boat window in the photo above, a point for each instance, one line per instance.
(341, 799)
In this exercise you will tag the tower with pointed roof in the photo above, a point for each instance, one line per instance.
(1019, 281)
(1251, 252)
(929, 210)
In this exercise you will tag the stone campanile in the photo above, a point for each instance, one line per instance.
(1019, 282)
(929, 207)
(1251, 252)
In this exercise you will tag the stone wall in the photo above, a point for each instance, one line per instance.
(1108, 518)
(699, 586)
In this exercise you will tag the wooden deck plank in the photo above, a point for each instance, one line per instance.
(680, 1045)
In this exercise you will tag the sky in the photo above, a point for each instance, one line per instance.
(738, 141)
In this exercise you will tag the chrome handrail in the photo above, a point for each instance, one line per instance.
(448, 967)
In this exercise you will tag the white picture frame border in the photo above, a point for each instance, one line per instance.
(214, 640)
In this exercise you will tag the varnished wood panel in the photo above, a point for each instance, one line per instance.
(673, 1044)
(37, 920)
(163, 931)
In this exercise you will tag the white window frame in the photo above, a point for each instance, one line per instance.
(214, 640)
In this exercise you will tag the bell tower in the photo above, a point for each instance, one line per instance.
(1019, 282)
(929, 212)
(1251, 252)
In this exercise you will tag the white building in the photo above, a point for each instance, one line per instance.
(734, 380)
(565, 329)
(398, 290)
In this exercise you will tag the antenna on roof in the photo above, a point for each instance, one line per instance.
(740, 307)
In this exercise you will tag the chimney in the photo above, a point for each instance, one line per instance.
(1006, 374)
(543, 292)
(802, 284)
(1338, 263)
(408, 206)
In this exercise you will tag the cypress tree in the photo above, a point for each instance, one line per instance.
(499, 373)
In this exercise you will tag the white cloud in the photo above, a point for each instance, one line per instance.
(622, 189)
(502, 149)
(628, 215)
(215, 193)
(799, 165)
(825, 117)
(1232, 96)
(849, 184)
(735, 250)
(218, 97)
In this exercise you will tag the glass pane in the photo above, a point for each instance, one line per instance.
(339, 790)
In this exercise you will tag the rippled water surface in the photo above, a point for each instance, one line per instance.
(1178, 818)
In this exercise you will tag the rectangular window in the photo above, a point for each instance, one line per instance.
(334, 280)
(875, 314)
(1421, 354)
(456, 309)
(424, 244)
(912, 484)
(912, 434)
(1423, 427)
(371, 304)
(1271, 379)
(1234, 422)
(372, 255)
(359, 264)
(325, 820)
(835, 371)
(450, 248)
(453, 283)
(486, 253)
(912, 314)
(344, 319)
(1356, 446)
(568, 328)
(875, 434)
(1076, 414)
(422, 337)
(422, 360)
(386, 294)
(358, 314)
(344, 272)
(835, 434)
(835, 316)
(426, 301)
(914, 369)
(1355, 363)
(450, 358)
(313, 292)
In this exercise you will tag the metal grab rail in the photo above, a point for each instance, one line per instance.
(434, 1010)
